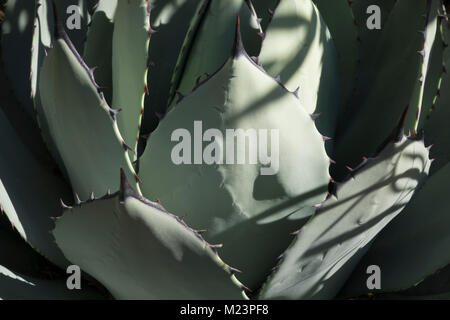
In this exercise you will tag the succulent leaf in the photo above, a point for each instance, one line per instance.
(436, 127)
(236, 203)
(434, 75)
(42, 41)
(138, 250)
(130, 43)
(84, 7)
(44, 24)
(23, 272)
(21, 31)
(28, 206)
(407, 240)
(264, 10)
(330, 245)
(83, 127)
(17, 32)
(381, 101)
(339, 18)
(429, 35)
(302, 53)
(369, 39)
(435, 286)
(25, 127)
(171, 20)
(16, 286)
(98, 47)
(209, 47)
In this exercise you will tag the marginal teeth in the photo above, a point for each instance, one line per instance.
(63, 205)
(77, 199)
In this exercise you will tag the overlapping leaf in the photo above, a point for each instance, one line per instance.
(81, 124)
(28, 205)
(129, 65)
(414, 245)
(171, 19)
(298, 47)
(137, 250)
(330, 245)
(383, 101)
(209, 39)
(24, 274)
(436, 128)
(340, 21)
(98, 47)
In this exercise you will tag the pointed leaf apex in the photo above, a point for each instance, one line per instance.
(238, 46)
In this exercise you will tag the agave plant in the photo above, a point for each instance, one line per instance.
(347, 186)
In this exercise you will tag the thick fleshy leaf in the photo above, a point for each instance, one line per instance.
(68, 10)
(414, 245)
(138, 250)
(129, 65)
(23, 35)
(264, 10)
(17, 33)
(25, 126)
(429, 34)
(298, 47)
(330, 245)
(98, 48)
(382, 100)
(208, 42)
(364, 14)
(339, 18)
(82, 125)
(24, 274)
(172, 20)
(434, 287)
(241, 205)
(42, 42)
(434, 75)
(367, 46)
(436, 127)
(28, 205)
(15, 286)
